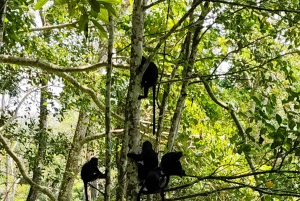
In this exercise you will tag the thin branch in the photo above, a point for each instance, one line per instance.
(248, 174)
(171, 31)
(99, 136)
(255, 7)
(213, 97)
(153, 4)
(269, 191)
(52, 67)
(18, 107)
(182, 186)
(206, 193)
(60, 26)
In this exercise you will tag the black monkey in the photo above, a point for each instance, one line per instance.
(154, 183)
(90, 172)
(149, 79)
(170, 163)
(149, 158)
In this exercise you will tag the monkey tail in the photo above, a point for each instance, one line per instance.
(153, 94)
(97, 189)
(85, 191)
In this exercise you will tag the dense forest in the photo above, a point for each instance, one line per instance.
(227, 96)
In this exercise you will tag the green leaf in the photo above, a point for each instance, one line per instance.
(83, 22)
(100, 28)
(57, 170)
(292, 124)
(110, 9)
(95, 5)
(278, 119)
(297, 152)
(104, 16)
(110, 1)
(263, 114)
(262, 131)
(275, 144)
(71, 7)
(270, 126)
(246, 148)
(40, 4)
(248, 130)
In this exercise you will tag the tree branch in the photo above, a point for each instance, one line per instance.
(18, 107)
(254, 7)
(52, 67)
(153, 4)
(60, 26)
(206, 193)
(172, 30)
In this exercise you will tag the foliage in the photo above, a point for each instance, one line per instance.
(247, 113)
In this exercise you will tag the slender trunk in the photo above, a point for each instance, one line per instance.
(7, 178)
(183, 94)
(132, 135)
(108, 141)
(189, 54)
(72, 168)
(163, 107)
(10, 181)
(3, 4)
(164, 102)
(42, 143)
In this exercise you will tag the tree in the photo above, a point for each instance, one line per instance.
(227, 95)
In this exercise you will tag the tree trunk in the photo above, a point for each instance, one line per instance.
(3, 4)
(108, 141)
(189, 53)
(7, 178)
(42, 143)
(132, 135)
(65, 192)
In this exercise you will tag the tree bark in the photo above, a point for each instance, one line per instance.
(189, 54)
(132, 136)
(42, 143)
(108, 139)
(3, 4)
(65, 191)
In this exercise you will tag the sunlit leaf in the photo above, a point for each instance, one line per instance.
(40, 4)
(270, 184)
(100, 28)
(111, 9)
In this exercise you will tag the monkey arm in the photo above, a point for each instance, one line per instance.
(136, 157)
